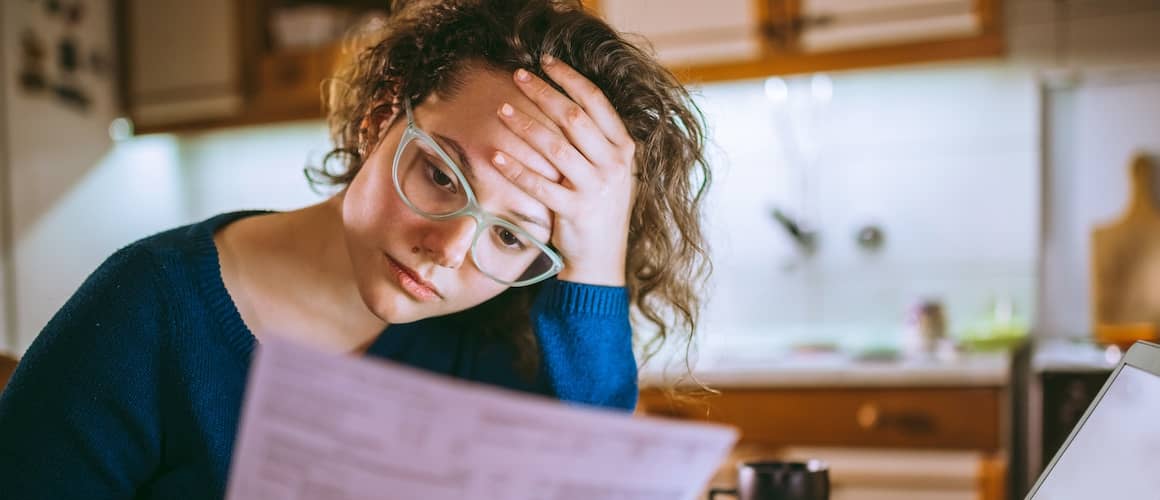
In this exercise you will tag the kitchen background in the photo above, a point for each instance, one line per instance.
(973, 182)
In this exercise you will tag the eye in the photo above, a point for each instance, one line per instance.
(440, 178)
(509, 238)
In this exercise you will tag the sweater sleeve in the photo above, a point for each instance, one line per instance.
(586, 344)
(79, 419)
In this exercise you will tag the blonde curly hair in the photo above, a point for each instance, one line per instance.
(423, 47)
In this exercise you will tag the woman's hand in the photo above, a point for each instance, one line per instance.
(594, 153)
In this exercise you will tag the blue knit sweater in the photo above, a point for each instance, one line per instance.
(134, 389)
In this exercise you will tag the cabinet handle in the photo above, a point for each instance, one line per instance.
(867, 416)
(870, 417)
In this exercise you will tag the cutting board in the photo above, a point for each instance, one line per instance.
(1126, 259)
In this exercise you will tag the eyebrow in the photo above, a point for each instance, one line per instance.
(469, 171)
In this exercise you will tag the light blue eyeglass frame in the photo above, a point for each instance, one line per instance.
(483, 218)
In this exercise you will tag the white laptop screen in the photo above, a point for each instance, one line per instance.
(1116, 453)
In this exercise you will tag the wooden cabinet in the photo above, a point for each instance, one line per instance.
(182, 62)
(216, 63)
(957, 432)
(805, 36)
(197, 65)
(289, 85)
(931, 418)
(7, 367)
(689, 32)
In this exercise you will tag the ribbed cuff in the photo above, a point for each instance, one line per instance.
(578, 298)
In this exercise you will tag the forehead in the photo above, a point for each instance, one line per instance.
(473, 106)
(468, 118)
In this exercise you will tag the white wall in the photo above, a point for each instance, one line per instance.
(944, 158)
(1094, 129)
(73, 197)
(251, 168)
(1100, 63)
(149, 184)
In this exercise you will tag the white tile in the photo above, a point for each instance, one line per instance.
(944, 158)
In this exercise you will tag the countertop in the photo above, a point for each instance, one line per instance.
(1073, 355)
(743, 368)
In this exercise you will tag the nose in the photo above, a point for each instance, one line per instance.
(448, 241)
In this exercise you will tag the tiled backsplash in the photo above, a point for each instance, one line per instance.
(944, 159)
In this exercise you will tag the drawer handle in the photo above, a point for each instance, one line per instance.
(870, 417)
(867, 416)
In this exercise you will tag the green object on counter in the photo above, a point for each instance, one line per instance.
(1001, 330)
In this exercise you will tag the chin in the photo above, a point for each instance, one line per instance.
(388, 304)
(394, 307)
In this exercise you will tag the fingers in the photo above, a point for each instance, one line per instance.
(553, 147)
(553, 195)
(590, 98)
(572, 119)
(524, 153)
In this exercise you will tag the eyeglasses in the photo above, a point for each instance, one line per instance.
(432, 185)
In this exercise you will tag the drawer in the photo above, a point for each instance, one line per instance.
(915, 418)
(291, 82)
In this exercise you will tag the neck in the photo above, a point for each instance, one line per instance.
(317, 251)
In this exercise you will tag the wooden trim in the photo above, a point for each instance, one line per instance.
(291, 113)
(8, 308)
(993, 478)
(123, 68)
(592, 6)
(192, 91)
(987, 45)
(990, 15)
(251, 43)
(7, 368)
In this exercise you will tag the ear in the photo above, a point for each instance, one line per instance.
(376, 122)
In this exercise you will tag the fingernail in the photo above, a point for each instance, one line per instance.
(499, 159)
(506, 109)
(547, 60)
(522, 75)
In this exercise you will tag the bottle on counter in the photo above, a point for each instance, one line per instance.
(925, 334)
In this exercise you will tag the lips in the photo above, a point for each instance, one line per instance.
(411, 283)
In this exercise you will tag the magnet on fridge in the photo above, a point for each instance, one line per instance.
(32, 62)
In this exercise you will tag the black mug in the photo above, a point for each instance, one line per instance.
(773, 480)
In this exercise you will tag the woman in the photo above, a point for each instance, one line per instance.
(513, 175)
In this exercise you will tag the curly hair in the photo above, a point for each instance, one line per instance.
(424, 47)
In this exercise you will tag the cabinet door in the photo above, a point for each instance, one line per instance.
(946, 418)
(183, 61)
(690, 31)
(847, 24)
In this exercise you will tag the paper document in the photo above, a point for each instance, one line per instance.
(322, 426)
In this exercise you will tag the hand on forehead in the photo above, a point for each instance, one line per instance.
(469, 118)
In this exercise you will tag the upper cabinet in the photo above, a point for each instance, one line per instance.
(690, 32)
(216, 63)
(182, 62)
(707, 41)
